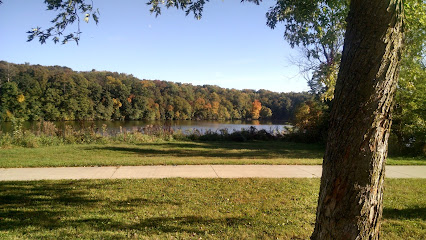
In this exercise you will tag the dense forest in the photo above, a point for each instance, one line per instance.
(35, 92)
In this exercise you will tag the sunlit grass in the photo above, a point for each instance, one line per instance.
(160, 153)
(172, 153)
(188, 209)
(406, 160)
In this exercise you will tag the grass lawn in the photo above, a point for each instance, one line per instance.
(171, 153)
(188, 209)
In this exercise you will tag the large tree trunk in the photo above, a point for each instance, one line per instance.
(351, 192)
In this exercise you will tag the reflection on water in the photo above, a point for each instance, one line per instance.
(182, 125)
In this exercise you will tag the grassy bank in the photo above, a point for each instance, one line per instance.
(171, 153)
(48, 146)
(188, 209)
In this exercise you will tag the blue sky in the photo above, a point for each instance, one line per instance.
(231, 46)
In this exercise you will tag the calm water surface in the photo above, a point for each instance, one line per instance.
(177, 125)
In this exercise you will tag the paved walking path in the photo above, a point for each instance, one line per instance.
(188, 171)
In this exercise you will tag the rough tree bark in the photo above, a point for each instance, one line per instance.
(351, 192)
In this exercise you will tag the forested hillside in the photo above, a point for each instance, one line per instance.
(34, 92)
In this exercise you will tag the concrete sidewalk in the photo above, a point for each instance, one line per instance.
(188, 171)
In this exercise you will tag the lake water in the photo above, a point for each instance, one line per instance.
(177, 125)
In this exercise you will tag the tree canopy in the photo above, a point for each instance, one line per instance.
(317, 28)
(409, 124)
(34, 92)
(69, 12)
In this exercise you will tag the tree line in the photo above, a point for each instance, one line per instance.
(55, 93)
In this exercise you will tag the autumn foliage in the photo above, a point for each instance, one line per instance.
(255, 110)
(58, 93)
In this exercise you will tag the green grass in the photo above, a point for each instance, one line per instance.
(171, 153)
(406, 161)
(160, 153)
(187, 209)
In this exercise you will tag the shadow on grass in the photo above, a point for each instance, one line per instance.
(235, 150)
(154, 225)
(408, 213)
(123, 206)
(42, 206)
